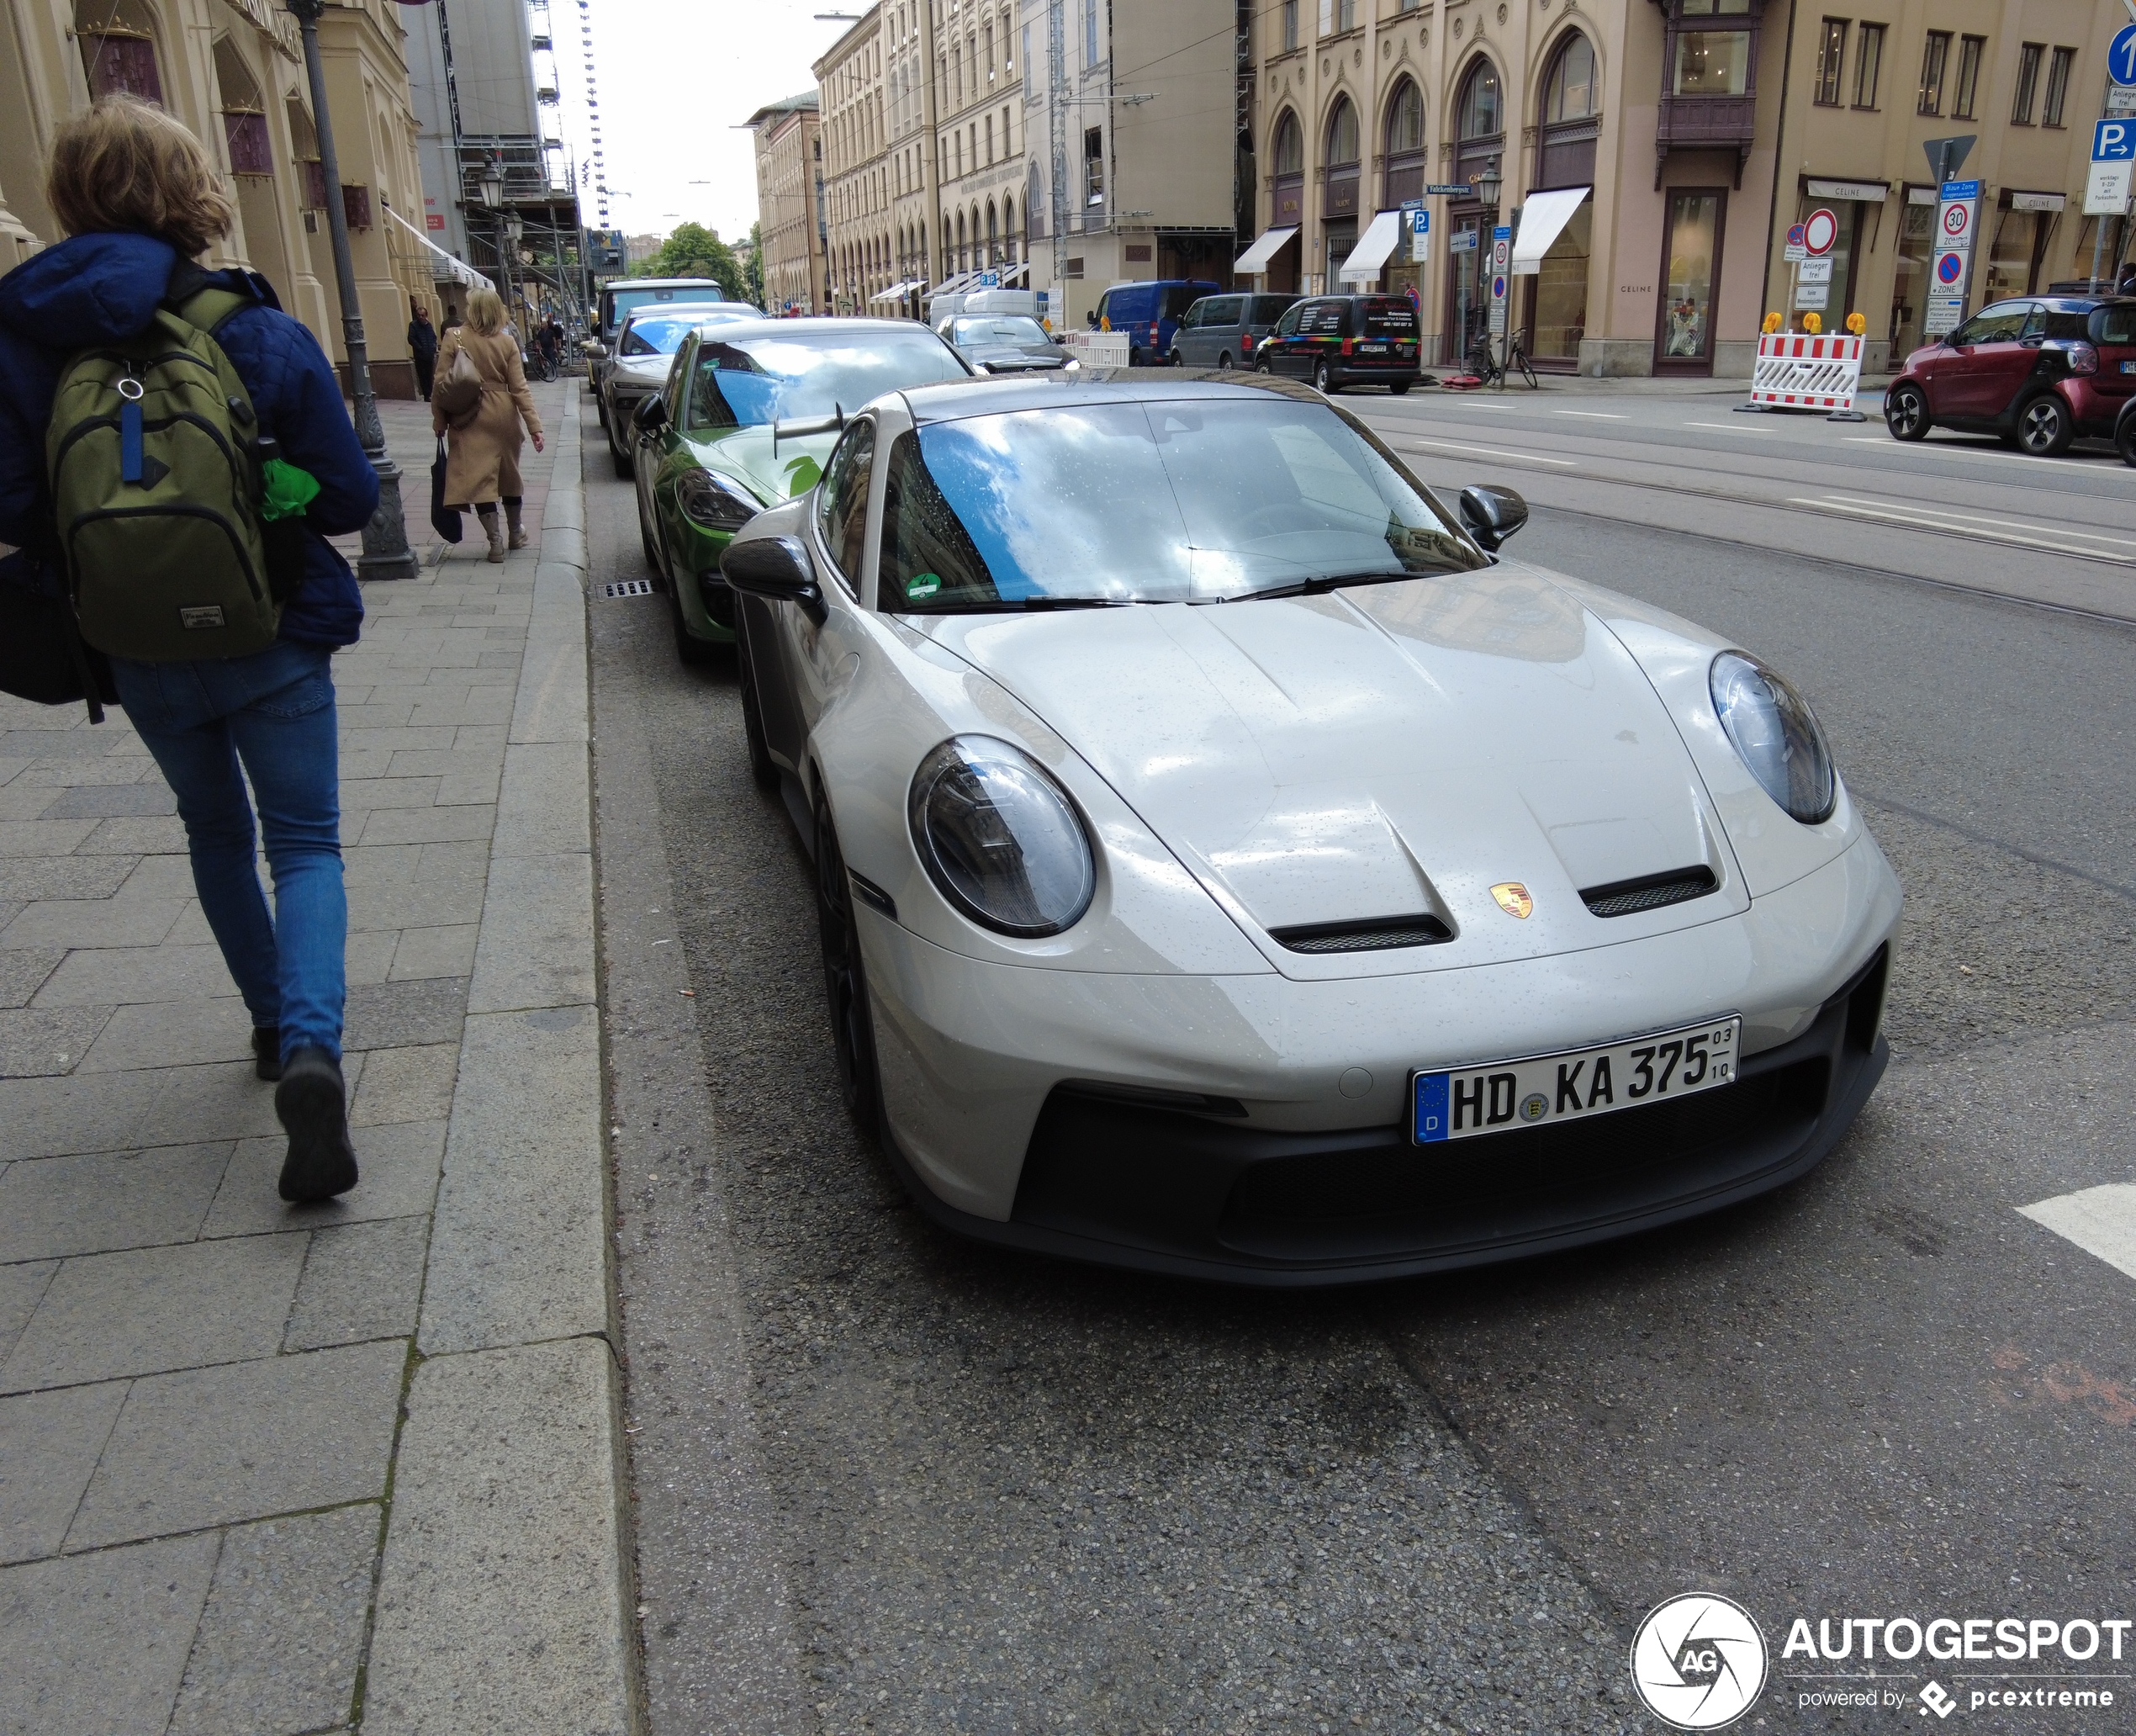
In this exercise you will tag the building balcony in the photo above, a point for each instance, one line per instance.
(1705, 123)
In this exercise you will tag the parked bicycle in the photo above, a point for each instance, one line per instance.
(1489, 369)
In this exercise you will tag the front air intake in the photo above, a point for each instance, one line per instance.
(1652, 892)
(1377, 934)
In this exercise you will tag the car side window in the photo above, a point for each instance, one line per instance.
(679, 373)
(1287, 325)
(2035, 323)
(2115, 324)
(2000, 323)
(1104, 307)
(841, 509)
(925, 550)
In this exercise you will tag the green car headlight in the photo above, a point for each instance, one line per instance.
(714, 502)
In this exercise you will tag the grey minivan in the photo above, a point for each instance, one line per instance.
(1223, 330)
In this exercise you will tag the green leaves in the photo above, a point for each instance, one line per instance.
(693, 250)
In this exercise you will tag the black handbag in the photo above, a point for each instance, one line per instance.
(444, 519)
(42, 657)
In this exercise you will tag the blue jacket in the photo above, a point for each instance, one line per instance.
(95, 288)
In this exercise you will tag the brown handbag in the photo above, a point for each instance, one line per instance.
(457, 394)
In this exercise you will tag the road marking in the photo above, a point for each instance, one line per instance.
(1603, 415)
(1946, 449)
(1732, 427)
(2100, 1220)
(2008, 524)
(1478, 404)
(2040, 538)
(1490, 452)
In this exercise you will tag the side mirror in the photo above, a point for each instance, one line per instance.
(1491, 515)
(651, 412)
(775, 567)
(593, 347)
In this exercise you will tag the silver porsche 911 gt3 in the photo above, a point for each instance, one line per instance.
(1229, 864)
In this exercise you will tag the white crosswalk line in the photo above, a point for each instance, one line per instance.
(2100, 1220)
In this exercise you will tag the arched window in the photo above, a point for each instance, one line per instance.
(117, 41)
(304, 146)
(1288, 154)
(1008, 227)
(1406, 156)
(1480, 115)
(1568, 92)
(993, 234)
(245, 126)
(1570, 127)
(1342, 134)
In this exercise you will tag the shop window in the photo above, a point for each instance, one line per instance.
(2029, 59)
(2014, 253)
(1970, 49)
(1910, 280)
(1712, 63)
(1869, 65)
(1560, 316)
(118, 42)
(2058, 86)
(1691, 261)
(1831, 53)
(1935, 56)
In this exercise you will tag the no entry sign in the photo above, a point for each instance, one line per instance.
(1820, 229)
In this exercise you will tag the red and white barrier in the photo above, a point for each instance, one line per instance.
(1809, 373)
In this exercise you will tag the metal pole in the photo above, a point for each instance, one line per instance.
(386, 554)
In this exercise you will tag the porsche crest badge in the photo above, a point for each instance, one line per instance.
(1512, 898)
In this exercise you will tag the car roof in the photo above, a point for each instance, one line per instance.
(954, 399)
(669, 309)
(830, 324)
(661, 283)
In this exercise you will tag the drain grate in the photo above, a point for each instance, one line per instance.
(628, 587)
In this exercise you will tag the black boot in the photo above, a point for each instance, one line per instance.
(267, 1052)
(313, 1105)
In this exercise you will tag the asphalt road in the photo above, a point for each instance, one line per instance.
(888, 1481)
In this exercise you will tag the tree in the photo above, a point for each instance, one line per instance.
(693, 250)
(752, 270)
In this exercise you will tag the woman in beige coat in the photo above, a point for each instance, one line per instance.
(482, 453)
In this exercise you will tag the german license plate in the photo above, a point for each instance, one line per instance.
(1372, 349)
(1507, 1095)
(2128, 367)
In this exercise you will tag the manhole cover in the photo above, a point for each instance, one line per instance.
(629, 587)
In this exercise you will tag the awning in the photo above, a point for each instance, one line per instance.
(950, 286)
(1014, 271)
(1254, 260)
(1543, 218)
(444, 266)
(1369, 256)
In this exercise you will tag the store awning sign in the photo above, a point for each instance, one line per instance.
(1543, 219)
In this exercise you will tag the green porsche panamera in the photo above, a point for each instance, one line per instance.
(748, 416)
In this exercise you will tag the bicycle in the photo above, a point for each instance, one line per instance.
(1487, 368)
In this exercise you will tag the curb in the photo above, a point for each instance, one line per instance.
(504, 1596)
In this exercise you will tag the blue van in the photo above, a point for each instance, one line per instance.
(1150, 313)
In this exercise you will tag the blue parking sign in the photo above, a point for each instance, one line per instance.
(2113, 141)
(2121, 60)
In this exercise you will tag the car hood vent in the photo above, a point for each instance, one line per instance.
(1650, 891)
(1377, 934)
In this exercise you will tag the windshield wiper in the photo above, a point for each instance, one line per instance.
(1005, 605)
(1320, 583)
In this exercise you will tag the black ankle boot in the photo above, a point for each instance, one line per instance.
(313, 1105)
(267, 1052)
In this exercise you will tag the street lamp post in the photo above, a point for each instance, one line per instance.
(490, 183)
(386, 554)
(1488, 185)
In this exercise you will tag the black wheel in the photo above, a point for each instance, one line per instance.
(1528, 374)
(2125, 440)
(845, 980)
(1399, 388)
(622, 460)
(1906, 412)
(1323, 379)
(1261, 364)
(2044, 427)
(690, 649)
(763, 772)
(652, 552)
(1134, 357)
(600, 409)
(1174, 361)
(1224, 362)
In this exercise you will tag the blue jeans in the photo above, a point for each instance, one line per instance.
(273, 713)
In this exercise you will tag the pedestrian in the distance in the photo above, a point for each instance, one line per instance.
(422, 349)
(140, 198)
(482, 453)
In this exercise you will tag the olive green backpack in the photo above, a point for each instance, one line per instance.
(155, 485)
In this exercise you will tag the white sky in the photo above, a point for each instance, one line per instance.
(675, 76)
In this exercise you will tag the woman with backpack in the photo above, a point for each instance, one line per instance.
(140, 198)
(482, 448)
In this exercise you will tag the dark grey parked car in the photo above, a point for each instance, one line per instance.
(1003, 343)
(1223, 330)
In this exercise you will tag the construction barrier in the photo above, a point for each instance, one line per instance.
(1100, 349)
(1809, 373)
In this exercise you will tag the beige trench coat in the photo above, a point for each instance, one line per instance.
(482, 459)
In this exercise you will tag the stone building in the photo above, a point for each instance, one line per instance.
(979, 139)
(858, 256)
(789, 203)
(233, 71)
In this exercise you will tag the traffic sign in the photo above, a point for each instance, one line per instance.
(1420, 235)
(2105, 189)
(1950, 269)
(1794, 235)
(1957, 221)
(2121, 57)
(1451, 189)
(1820, 229)
(1502, 247)
(2113, 141)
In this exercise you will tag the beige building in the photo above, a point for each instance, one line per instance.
(790, 203)
(979, 132)
(1676, 143)
(233, 71)
(910, 119)
(857, 253)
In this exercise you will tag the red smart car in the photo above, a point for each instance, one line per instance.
(2038, 370)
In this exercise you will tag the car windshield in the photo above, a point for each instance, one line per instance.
(662, 334)
(2115, 323)
(1187, 501)
(746, 382)
(622, 302)
(1000, 329)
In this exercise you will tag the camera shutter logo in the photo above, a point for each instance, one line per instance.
(1698, 1661)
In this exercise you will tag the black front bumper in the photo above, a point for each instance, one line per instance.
(1163, 1190)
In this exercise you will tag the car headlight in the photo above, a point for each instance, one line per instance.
(713, 502)
(1000, 839)
(1772, 727)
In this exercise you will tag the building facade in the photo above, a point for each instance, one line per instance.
(911, 121)
(1676, 141)
(981, 132)
(859, 258)
(233, 71)
(789, 203)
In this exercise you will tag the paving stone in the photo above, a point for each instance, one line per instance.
(58, 1117)
(33, 1044)
(95, 1645)
(544, 806)
(207, 1446)
(30, 877)
(172, 1033)
(378, 864)
(429, 825)
(367, 957)
(21, 1289)
(105, 1316)
(136, 836)
(93, 922)
(429, 903)
(20, 801)
(398, 1166)
(447, 950)
(85, 744)
(51, 1207)
(281, 1637)
(169, 876)
(220, 1100)
(21, 974)
(392, 737)
(363, 794)
(49, 1444)
(43, 837)
(100, 802)
(362, 1280)
(462, 860)
(405, 1015)
(406, 1085)
(127, 976)
(74, 774)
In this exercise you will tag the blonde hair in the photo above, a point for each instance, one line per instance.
(486, 312)
(123, 164)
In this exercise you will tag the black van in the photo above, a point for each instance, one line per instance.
(1338, 341)
(1221, 330)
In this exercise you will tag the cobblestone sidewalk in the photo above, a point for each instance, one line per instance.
(272, 1470)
